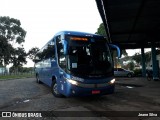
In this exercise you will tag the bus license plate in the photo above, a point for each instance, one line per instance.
(95, 91)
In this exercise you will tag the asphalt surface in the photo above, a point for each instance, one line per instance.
(132, 94)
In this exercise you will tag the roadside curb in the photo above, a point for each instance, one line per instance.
(14, 78)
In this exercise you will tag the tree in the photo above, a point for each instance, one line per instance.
(101, 30)
(19, 57)
(124, 52)
(32, 52)
(131, 65)
(6, 50)
(137, 57)
(148, 57)
(10, 29)
(11, 35)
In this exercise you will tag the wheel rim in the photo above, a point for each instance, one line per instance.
(129, 75)
(55, 89)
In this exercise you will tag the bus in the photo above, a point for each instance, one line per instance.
(76, 64)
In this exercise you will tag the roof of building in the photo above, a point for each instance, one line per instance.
(131, 23)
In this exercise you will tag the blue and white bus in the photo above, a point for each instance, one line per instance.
(76, 64)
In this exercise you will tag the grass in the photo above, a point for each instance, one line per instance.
(10, 77)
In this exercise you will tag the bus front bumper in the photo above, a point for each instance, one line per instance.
(89, 89)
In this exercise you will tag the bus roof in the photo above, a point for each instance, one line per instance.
(76, 33)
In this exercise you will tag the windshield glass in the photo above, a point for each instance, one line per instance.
(90, 59)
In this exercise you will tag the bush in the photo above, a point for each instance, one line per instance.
(131, 65)
(138, 72)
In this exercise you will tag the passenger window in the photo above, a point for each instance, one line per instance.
(50, 52)
(120, 69)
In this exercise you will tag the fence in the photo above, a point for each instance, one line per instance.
(16, 73)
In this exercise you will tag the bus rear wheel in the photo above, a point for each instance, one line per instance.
(54, 89)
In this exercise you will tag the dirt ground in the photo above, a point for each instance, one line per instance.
(133, 96)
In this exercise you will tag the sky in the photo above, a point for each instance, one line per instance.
(44, 18)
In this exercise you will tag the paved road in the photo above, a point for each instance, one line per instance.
(134, 94)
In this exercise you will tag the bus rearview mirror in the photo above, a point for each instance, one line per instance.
(65, 47)
(117, 48)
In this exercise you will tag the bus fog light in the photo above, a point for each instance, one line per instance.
(112, 81)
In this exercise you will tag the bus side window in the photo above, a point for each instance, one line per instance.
(53, 49)
(60, 51)
(50, 51)
(38, 57)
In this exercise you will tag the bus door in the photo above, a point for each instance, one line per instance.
(61, 60)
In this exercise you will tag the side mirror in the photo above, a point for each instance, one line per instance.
(65, 47)
(117, 48)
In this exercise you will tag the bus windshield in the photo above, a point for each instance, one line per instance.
(87, 58)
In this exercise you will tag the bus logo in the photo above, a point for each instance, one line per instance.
(6, 114)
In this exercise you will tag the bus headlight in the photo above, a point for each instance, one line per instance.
(73, 82)
(112, 81)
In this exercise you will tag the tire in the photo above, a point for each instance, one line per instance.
(54, 90)
(37, 79)
(129, 75)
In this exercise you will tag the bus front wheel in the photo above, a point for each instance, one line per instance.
(54, 89)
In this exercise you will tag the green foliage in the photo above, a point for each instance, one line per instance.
(131, 65)
(138, 72)
(124, 52)
(148, 56)
(101, 30)
(6, 51)
(32, 52)
(10, 29)
(11, 33)
(137, 57)
(21, 69)
(16, 76)
(19, 57)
